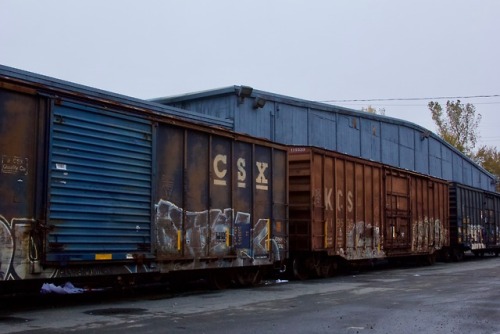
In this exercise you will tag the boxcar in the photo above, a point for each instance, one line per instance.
(96, 188)
(474, 221)
(345, 209)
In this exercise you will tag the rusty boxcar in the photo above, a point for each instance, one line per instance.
(345, 209)
(474, 221)
(97, 186)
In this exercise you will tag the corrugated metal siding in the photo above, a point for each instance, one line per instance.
(370, 139)
(390, 149)
(258, 121)
(446, 163)
(421, 154)
(99, 205)
(467, 172)
(476, 176)
(457, 171)
(321, 125)
(406, 148)
(291, 125)
(486, 181)
(348, 137)
(435, 168)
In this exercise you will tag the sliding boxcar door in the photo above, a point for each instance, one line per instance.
(100, 169)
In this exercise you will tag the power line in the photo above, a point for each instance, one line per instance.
(402, 105)
(416, 98)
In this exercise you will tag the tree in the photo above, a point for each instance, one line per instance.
(489, 158)
(371, 110)
(459, 126)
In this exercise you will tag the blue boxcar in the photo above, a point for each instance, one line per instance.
(97, 185)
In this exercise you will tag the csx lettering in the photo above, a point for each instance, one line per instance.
(261, 178)
(220, 174)
(242, 174)
(219, 164)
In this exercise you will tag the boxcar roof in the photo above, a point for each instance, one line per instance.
(52, 84)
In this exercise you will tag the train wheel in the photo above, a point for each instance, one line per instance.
(300, 271)
(249, 277)
(323, 270)
(458, 255)
(446, 255)
(478, 253)
(326, 268)
(430, 259)
(219, 281)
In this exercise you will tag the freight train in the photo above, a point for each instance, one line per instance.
(345, 209)
(474, 222)
(98, 188)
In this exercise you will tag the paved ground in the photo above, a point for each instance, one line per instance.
(444, 298)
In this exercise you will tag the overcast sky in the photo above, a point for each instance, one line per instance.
(319, 50)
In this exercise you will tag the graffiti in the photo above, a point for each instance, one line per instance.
(168, 224)
(214, 232)
(428, 234)
(363, 240)
(7, 250)
(475, 238)
(19, 254)
(242, 231)
(201, 233)
(478, 236)
(260, 240)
